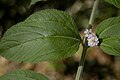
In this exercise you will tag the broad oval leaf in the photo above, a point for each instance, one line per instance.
(111, 45)
(116, 3)
(104, 28)
(45, 35)
(23, 75)
(109, 32)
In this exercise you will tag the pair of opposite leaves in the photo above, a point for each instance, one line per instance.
(51, 34)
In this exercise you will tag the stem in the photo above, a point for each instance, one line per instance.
(82, 61)
(92, 17)
(85, 45)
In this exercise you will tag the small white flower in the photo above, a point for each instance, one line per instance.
(87, 32)
(91, 38)
(93, 41)
(91, 35)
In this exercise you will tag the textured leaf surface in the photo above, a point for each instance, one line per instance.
(45, 35)
(109, 32)
(109, 27)
(23, 75)
(111, 45)
(114, 2)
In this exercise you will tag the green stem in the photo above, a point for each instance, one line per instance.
(85, 45)
(92, 17)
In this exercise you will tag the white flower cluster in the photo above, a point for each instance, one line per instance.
(91, 38)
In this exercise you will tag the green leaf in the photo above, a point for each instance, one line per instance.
(116, 3)
(109, 27)
(23, 75)
(32, 2)
(45, 35)
(111, 45)
(108, 31)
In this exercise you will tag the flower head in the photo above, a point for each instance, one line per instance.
(93, 41)
(91, 38)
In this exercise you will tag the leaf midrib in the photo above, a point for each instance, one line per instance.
(42, 21)
(45, 37)
(103, 44)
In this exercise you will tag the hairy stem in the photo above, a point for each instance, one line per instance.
(85, 45)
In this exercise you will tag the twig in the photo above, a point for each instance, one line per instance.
(85, 45)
